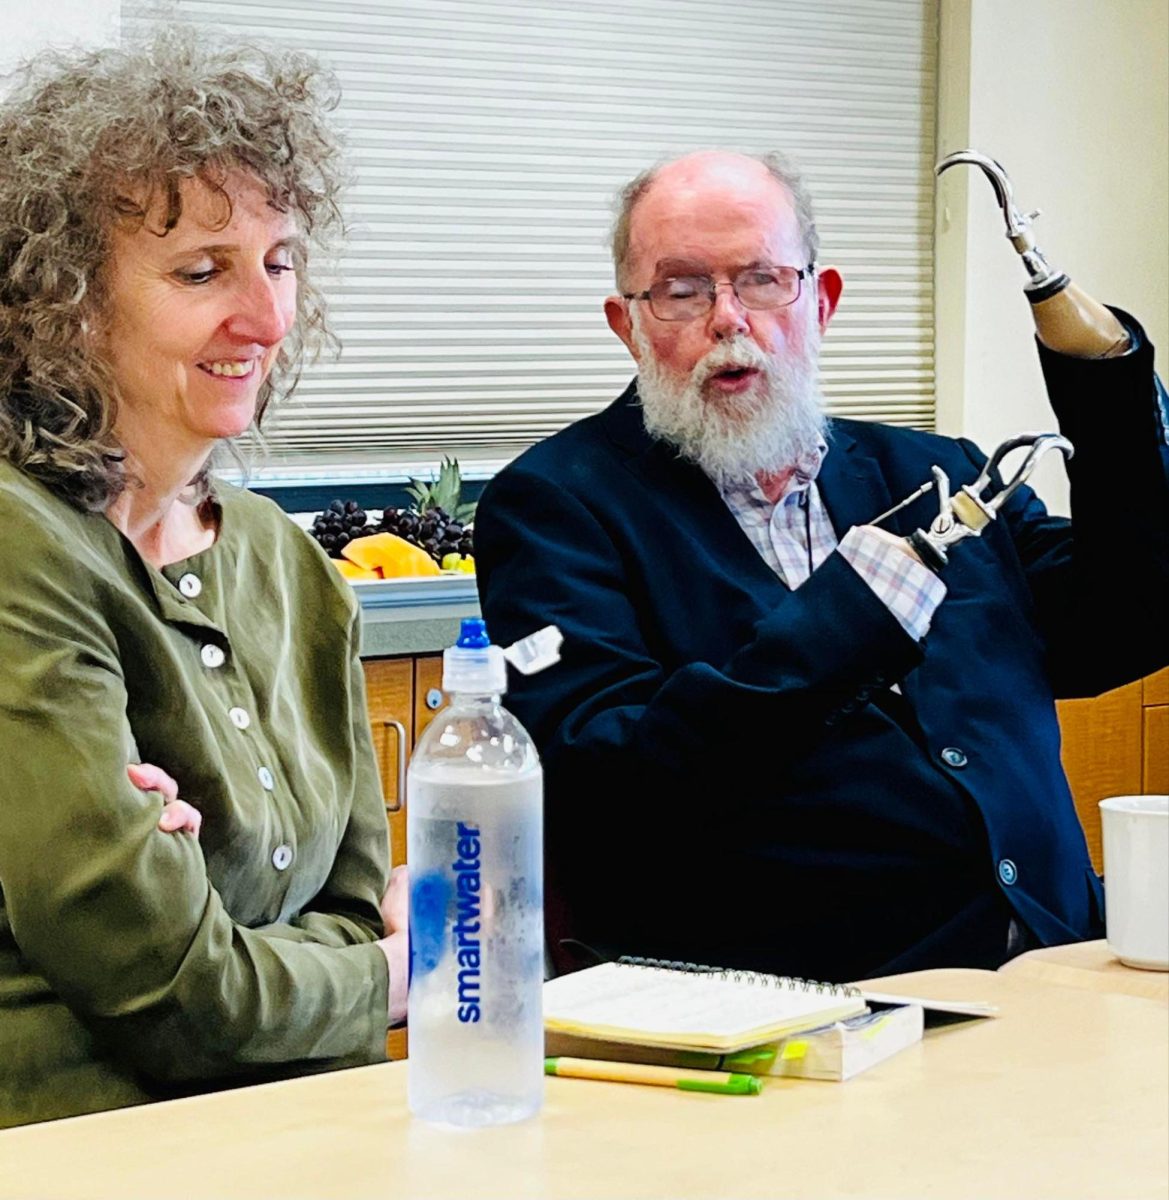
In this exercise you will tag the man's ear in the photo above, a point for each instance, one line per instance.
(829, 285)
(617, 314)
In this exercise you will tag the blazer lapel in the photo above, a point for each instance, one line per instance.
(694, 499)
(852, 484)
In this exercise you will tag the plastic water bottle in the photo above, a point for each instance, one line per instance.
(475, 849)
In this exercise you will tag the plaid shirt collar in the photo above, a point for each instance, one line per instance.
(747, 496)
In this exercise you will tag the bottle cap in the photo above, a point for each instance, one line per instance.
(473, 665)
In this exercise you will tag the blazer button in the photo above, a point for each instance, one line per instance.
(953, 757)
(282, 857)
(1008, 872)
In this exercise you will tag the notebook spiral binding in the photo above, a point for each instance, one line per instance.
(733, 975)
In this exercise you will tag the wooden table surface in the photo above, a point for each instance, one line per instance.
(1066, 1094)
(1089, 965)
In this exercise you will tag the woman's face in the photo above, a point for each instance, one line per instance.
(197, 316)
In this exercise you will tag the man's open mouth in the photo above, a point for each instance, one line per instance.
(732, 378)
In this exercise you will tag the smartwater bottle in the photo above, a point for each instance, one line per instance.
(475, 849)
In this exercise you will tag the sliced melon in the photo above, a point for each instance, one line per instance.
(393, 556)
(352, 570)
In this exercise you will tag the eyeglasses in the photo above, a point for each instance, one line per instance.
(684, 297)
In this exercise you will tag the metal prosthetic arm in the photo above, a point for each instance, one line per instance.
(967, 512)
(1066, 318)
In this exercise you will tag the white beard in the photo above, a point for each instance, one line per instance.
(770, 428)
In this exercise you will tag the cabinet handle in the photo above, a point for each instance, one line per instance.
(401, 796)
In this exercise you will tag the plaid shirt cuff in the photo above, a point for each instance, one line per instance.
(909, 590)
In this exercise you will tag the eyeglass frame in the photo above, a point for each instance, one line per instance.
(802, 273)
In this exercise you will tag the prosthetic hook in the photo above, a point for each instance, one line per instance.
(967, 513)
(1044, 282)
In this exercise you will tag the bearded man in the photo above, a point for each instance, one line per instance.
(776, 739)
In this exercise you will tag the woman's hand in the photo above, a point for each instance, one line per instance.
(396, 944)
(396, 901)
(177, 815)
(396, 948)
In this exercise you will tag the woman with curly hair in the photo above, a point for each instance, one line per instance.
(156, 209)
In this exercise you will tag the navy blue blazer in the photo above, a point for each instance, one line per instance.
(729, 777)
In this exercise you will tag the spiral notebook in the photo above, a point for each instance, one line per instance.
(687, 1007)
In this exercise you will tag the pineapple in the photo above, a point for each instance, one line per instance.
(444, 493)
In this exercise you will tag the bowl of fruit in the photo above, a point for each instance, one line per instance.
(433, 535)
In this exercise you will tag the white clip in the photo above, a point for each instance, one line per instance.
(535, 652)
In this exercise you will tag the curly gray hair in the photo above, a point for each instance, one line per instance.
(93, 142)
(779, 167)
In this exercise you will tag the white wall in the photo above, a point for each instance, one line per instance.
(30, 25)
(1072, 97)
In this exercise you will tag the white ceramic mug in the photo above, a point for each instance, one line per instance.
(1136, 879)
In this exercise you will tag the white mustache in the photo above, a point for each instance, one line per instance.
(733, 356)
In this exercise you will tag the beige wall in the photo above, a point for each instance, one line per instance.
(1072, 96)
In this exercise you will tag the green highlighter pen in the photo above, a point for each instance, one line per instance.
(722, 1083)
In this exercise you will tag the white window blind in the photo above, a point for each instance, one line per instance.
(488, 139)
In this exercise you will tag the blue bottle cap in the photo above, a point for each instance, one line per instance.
(473, 634)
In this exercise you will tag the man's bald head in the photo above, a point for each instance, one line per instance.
(694, 171)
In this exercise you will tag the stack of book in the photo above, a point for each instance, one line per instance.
(680, 1015)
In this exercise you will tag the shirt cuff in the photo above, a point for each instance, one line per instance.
(910, 590)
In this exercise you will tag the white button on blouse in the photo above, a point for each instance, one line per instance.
(212, 655)
(267, 780)
(190, 585)
(239, 717)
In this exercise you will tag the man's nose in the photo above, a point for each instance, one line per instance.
(728, 316)
(264, 310)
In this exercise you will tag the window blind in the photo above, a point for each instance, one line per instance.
(487, 140)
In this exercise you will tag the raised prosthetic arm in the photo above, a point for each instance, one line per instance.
(1067, 319)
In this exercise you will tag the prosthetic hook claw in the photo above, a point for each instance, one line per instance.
(967, 513)
(1043, 282)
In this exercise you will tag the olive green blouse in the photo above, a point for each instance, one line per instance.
(136, 964)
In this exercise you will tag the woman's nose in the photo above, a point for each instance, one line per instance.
(264, 311)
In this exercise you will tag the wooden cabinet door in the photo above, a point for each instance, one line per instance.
(1101, 754)
(389, 687)
(1155, 779)
(1157, 688)
(1156, 769)
(428, 694)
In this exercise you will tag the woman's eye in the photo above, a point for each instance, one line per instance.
(203, 275)
(278, 268)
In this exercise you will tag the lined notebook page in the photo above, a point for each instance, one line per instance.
(652, 1006)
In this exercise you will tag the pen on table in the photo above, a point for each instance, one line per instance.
(723, 1083)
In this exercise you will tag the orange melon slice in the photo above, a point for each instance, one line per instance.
(393, 556)
(352, 570)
